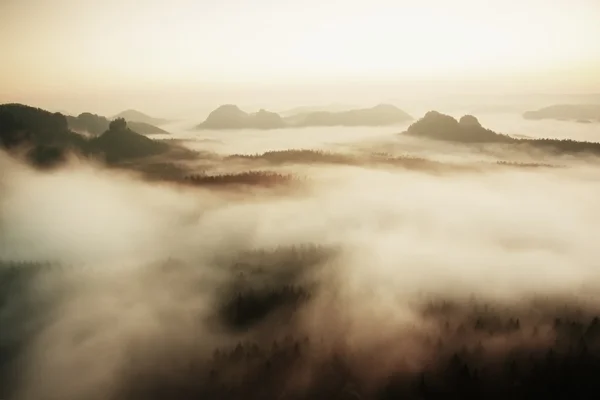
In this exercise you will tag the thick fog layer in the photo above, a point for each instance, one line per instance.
(145, 267)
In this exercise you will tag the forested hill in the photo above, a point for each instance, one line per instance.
(46, 138)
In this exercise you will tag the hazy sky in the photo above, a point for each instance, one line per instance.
(69, 47)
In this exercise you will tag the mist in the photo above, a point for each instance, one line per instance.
(298, 200)
(361, 258)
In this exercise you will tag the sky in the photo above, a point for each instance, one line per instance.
(120, 49)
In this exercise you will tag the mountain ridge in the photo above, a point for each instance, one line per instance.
(230, 116)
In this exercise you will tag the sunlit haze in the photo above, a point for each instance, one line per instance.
(61, 51)
(299, 199)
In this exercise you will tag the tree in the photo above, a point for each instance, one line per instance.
(118, 124)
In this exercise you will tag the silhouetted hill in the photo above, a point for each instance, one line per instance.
(575, 112)
(119, 143)
(21, 124)
(46, 136)
(230, 116)
(380, 115)
(137, 116)
(468, 130)
(435, 125)
(97, 124)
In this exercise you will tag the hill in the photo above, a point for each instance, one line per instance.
(468, 130)
(435, 125)
(97, 124)
(230, 116)
(571, 112)
(380, 115)
(137, 116)
(45, 137)
(21, 124)
(119, 143)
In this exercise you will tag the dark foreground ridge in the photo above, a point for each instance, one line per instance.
(47, 138)
(468, 130)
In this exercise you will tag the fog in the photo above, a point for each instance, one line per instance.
(351, 245)
(145, 267)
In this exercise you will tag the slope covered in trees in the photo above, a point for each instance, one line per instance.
(119, 143)
(20, 123)
(46, 137)
(546, 349)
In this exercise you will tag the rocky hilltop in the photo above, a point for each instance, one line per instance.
(230, 116)
(435, 125)
(468, 130)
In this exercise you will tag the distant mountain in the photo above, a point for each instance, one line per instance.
(380, 115)
(312, 109)
(230, 116)
(468, 130)
(145, 128)
(571, 112)
(137, 116)
(46, 137)
(97, 124)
